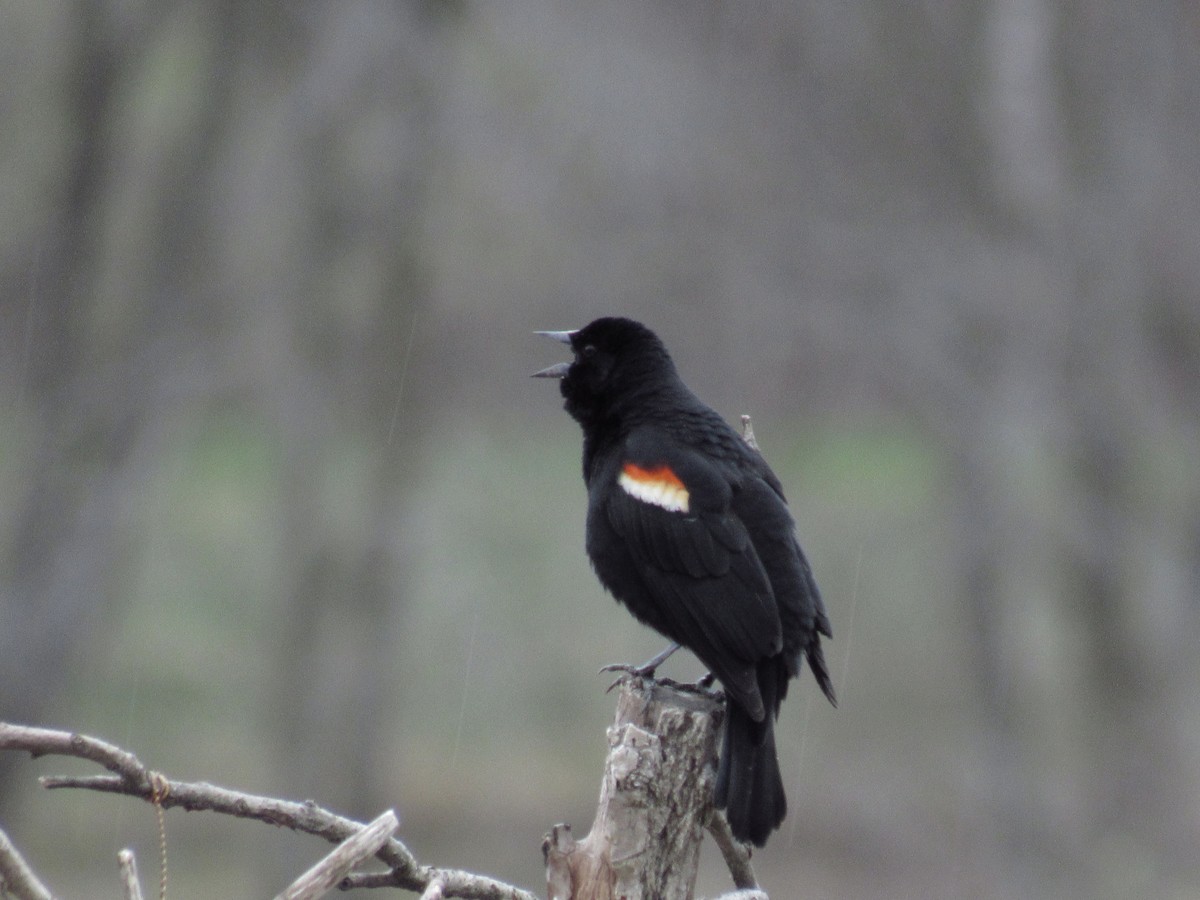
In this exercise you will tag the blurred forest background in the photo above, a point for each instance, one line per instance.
(281, 510)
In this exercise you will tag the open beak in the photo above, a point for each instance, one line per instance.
(558, 370)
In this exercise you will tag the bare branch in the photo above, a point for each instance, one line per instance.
(136, 780)
(16, 878)
(318, 880)
(736, 854)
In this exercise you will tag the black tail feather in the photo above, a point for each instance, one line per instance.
(816, 662)
(749, 784)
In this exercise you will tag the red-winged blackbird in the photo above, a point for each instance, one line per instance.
(688, 527)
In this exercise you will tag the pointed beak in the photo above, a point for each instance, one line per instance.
(563, 337)
(558, 370)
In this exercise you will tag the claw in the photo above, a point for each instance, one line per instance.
(645, 670)
(627, 671)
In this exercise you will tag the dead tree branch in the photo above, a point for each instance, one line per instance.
(736, 854)
(131, 777)
(655, 804)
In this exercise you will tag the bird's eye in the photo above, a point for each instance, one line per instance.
(588, 351)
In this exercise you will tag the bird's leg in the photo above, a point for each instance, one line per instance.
(645, 670)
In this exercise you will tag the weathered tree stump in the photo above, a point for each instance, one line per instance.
(655, 800)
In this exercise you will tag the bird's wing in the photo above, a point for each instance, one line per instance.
(801, 609)
(671, 510)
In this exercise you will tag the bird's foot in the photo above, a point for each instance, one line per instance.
(627, 671)
(702, 685)
(646, 670)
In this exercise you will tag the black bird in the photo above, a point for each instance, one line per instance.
(688, 527)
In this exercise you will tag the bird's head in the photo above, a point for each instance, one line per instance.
(615, 360)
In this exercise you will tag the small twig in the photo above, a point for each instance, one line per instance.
(736, 854)
(129, 875)
(16, 878)
(50, 742)
(318, 880)
(748, 433)
(557, 849)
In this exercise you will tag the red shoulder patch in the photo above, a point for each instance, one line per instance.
(658, 485)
